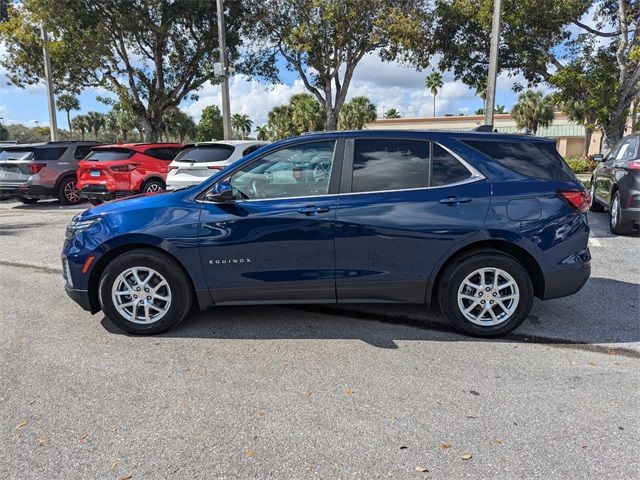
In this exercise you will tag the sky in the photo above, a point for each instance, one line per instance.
(386, 84)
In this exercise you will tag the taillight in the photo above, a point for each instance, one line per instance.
(36, 167)
(124, 168)
(579, 200)
(215, 168)
(634, 165)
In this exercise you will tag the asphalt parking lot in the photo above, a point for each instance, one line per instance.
(313, 392)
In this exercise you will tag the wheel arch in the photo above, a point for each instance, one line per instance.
(106, 258)
(153, 176)
(63, 175)
(519, 253)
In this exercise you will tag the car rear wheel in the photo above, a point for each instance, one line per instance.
(486, 294)
(594, 206)
(616, 224)
(151, 186)
(27, 200)
(145, 292)
(68, 193)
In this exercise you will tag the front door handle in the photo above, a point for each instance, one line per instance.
(455, 200)
(313, 210)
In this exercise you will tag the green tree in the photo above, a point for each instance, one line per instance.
(81, 124)
(306, 113)
(180, 125)
(4, 133)
(279, 123)
(479, 111)
(210, 124)
(96, 121)
(533, 110)
(68, 102)
(242, 124)
(500, 109)
(356, 113)
(540, 46)
(151, 54)
(324, 41)
(392, 113)
(121, 122)
(262, 132)
(434, 83)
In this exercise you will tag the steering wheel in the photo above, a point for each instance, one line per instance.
(321, 171)
(257, 193)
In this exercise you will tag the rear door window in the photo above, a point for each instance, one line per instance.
(446, 169)
(532, 159)
(384, 164)
(111, 154)
(250, 149)
(81, 152)
(217, 153)
(49, 153)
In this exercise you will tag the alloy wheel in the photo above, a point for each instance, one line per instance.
(615, 206)
(153, 187)
(71, 192)
(488, 296)
(141, 295)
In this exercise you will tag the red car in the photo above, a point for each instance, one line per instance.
(112, 171)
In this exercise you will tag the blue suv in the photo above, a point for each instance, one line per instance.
(480, 223)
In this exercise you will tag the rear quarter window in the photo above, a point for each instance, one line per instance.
(106, 155)
(532, 159)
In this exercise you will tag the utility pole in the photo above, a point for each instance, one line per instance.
(493, 63)
(53, 121)
(222, 44)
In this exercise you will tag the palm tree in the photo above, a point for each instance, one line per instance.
(500, 109)
(392, 113)
(67, 103)
(262, 132)
(180, 125)
(279, 123)
(241, 123)
(96, 122)
(356, 113)
(434, 83)
(533, 110)
(81, 123)
(481, 91)
(306, 113)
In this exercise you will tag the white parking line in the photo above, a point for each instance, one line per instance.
(594, 242)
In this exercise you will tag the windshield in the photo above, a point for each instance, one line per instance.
(217, 153)
(16, 154)
(104, 155)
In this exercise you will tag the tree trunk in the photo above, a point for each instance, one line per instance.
(69, 122)
(588, 132)
(613, 131)
(82, 135)
(434, 105)
(151, 129)
(331, 122)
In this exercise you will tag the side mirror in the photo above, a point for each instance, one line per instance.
(221, 192)
(598, 157)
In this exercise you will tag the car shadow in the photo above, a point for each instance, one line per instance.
(44, 205)
(577, 320)
(599, 223)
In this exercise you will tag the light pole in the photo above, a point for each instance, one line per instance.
(224, 86)
(493, 63)
(53, 121)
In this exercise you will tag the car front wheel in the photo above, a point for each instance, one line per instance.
(486, 294)
(145, 292)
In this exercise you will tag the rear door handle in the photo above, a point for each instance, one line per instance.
(455, 200)
(311, 210)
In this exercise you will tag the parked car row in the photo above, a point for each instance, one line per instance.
(74, 170)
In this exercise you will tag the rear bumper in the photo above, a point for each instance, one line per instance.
(631, 215)
(104, 194)
(81, 297)
(25, 190)
(565, 282)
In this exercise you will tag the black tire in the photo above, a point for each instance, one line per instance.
(616, 224)
(27, 200)
(95, 202)
(153, 185)
(594, 206)
(180, 290)
(456, 273)
(68, 193)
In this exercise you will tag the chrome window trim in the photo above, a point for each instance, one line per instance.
(476, 176)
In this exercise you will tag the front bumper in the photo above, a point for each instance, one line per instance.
(81, 297)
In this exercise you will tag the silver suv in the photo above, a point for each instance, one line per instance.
(34, 171)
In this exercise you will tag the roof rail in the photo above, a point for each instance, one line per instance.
(484, 128)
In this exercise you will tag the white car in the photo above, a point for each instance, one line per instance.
(198, 161)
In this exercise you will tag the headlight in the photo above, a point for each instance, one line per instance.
(76, 226)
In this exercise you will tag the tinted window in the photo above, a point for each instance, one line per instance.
(297, 171)
(446, 168)
(250, 149)
(105, 155)
(81, 152)
(218, 153)
(50, 153)
(390, 165)
(162, 153)
(628, 149)
(540, 160)
(16, 154)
